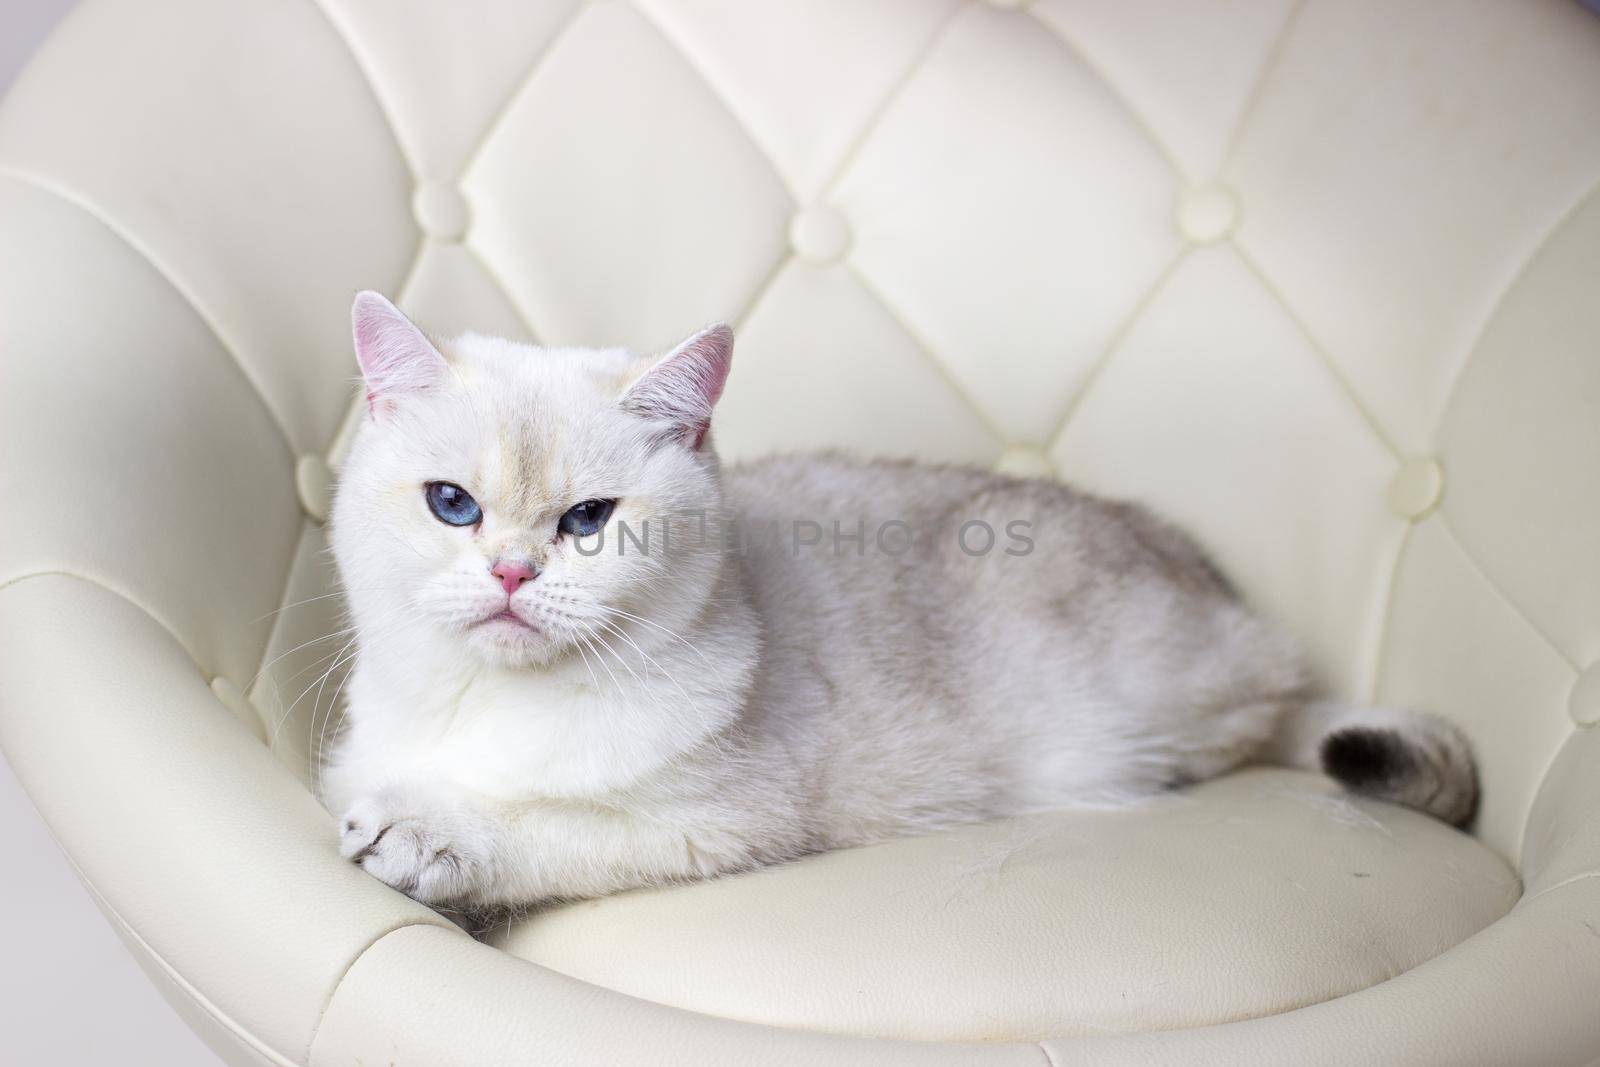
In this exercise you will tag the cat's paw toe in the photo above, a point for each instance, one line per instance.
(419, 855)
(360, 829)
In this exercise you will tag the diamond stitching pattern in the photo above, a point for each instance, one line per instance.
(938, 364)
(1048, 29)
(1006, 357)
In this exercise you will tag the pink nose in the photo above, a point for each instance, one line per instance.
(512, 574)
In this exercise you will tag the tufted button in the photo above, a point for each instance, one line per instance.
(1025, 461)
(1584, 704)
(819, 235)
(235, 701)
(1416, 487)
(313, 481)
(1207, 213)
(441, 211)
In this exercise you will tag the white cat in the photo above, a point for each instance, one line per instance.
(569, 682)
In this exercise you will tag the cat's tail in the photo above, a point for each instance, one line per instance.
(1408, 757)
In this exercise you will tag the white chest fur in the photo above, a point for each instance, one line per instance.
(512, 736)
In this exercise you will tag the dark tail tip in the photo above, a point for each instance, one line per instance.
(1367, 759)
(1430, 769)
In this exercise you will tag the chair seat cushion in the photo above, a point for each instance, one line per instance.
(1241, 897)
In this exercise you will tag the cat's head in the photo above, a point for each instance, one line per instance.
(485, 497)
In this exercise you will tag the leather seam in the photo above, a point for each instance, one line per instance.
(108, 587)
(82, 203)
(1564, 883)
(344, 972)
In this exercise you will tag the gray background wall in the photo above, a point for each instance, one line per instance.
(23, 24)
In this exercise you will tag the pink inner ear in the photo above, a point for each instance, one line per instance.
(394, 355)
(368, 336)
(685, 384)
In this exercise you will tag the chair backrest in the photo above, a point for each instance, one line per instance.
(1316, 279)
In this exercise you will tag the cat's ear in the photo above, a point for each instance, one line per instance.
(395, 357)
(680, 390)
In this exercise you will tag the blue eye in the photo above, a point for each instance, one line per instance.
(452, 504)
(586, 518)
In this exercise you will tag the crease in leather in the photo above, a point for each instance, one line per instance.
(1241, 126)
(110, 587)
(1103, 360)
(523, 83)
(344, 972)
(868, 128)
(1555, 230)
(1571, 879)
(360, 63)
(1269, 67)
(1346, 387)
(1449, 528)
(498, 282)
(280, 617)
(1558, 852)
(928, 351)
(78, 200)
(716, 94)
(1121, 98)
(344, 430)
(1375, 656)
(762, 289)
(199, 999)
(339, 447)
(333, 452)
(721, 99)
(406, 280)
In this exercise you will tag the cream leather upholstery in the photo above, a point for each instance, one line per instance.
(1317, 278)
(1204, 908)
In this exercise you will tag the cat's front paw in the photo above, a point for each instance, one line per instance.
(431, 854)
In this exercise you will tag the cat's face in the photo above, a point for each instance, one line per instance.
(526, 503)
